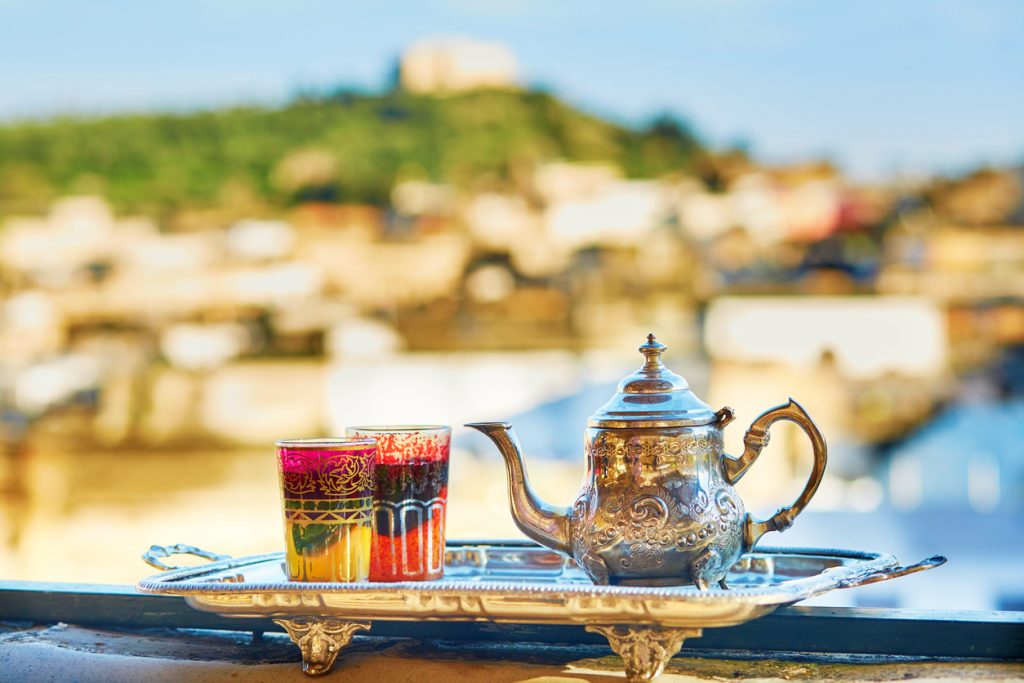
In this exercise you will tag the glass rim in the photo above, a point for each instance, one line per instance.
(328, 443)
(399, 428)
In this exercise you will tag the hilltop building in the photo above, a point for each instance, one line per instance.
(446, 65)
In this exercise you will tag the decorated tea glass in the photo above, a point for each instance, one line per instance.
(327, 496)
(410, 498)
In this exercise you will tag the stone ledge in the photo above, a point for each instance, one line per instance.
(52, 653)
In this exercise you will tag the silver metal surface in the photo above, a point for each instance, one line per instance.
(653, 396)
(516, 583)
(544, 523)
(157, 553)
(521, 584)
(657, 506)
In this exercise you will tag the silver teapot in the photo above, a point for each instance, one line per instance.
(657, 506)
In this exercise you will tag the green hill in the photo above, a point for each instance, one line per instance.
(343, 147)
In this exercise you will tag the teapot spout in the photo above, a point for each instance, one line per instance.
(546, 524)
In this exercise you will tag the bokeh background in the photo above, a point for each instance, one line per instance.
(223, 223)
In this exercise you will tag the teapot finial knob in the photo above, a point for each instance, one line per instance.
(652, 351)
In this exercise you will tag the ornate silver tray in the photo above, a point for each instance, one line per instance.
(521, 583)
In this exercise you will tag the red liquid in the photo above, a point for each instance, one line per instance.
(409, 509)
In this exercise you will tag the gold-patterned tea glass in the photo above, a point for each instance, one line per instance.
(327, 497)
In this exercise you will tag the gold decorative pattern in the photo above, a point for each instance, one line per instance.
(361, 512)
(605, 447)
(645, 650)
(320, 639)
(345, 476)
(331, 473)
(298, 472)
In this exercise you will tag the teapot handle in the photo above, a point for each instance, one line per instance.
(755, 440)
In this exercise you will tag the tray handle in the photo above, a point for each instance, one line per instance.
(895, 572)
(154, 555)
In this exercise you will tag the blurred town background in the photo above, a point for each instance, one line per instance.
(180, 289)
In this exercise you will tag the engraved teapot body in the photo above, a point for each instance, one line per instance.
(657, 506)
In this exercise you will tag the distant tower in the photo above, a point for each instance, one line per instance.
(440, 65)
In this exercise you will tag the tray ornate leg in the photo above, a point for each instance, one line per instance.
(320, 639)
(645, 649)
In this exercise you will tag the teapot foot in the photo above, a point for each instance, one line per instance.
(707, 569)
(645, 650)
(595, 568)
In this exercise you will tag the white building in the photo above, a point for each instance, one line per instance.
(438, 65)
(620, 214)
(867, 336)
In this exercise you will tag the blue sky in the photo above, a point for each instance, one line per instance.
(881, 87)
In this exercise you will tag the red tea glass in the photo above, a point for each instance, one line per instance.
(327, 496)
(410, 498)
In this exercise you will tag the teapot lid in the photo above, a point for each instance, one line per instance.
(653, 396)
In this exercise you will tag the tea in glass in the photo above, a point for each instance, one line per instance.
(327, 496)
(410, 500)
